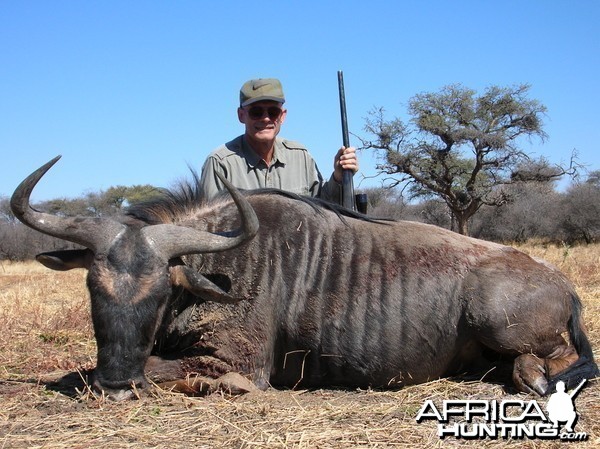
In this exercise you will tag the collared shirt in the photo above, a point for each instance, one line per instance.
(292, 169)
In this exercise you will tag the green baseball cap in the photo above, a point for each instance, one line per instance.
(260, 90)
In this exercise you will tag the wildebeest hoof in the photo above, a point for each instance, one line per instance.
(529, 374)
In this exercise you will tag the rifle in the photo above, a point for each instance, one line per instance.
(347, 182)
(577, 388)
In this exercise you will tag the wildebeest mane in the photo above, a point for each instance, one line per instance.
(187, 196)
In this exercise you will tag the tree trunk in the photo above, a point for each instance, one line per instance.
(462, 225)
(463, 215)
(460, 219)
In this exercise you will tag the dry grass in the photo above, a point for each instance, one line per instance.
(46, 333)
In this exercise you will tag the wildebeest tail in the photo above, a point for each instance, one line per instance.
(585, 367)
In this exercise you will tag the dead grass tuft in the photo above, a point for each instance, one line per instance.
(46, 333)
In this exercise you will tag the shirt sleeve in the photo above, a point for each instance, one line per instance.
(332, 191)
(210, 185)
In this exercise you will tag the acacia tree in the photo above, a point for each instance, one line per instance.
(113, 200)
(461, 147)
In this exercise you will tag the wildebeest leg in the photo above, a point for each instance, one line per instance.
(162, 370)
(560, 359)
(230, 383)
(190, 386)
(531, 373)
(171, 375)
(523, 308)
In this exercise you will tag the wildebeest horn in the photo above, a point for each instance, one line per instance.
(93, 233)
(173, 241)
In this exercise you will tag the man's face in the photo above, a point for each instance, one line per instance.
(262, 119)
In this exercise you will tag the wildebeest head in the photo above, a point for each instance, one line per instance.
(131, 276)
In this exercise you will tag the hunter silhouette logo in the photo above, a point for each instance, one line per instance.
(509, 419)
(561, 408)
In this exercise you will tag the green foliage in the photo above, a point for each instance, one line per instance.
(117, 197)
(141, 193)
(102, 203)
(65, 207)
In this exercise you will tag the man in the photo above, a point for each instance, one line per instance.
(259, 158)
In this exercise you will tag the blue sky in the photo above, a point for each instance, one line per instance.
(131, 92)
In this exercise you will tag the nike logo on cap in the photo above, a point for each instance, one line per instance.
(258, 86)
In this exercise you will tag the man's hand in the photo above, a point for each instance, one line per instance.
(345, 159)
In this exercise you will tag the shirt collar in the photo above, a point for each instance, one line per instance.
(254, 160)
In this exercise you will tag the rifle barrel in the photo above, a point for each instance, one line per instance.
(347, 182)
(577, 388)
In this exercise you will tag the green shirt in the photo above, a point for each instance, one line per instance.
(292, 169)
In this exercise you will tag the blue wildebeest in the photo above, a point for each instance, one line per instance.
(315, 296)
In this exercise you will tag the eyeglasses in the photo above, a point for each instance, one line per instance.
(258, 112)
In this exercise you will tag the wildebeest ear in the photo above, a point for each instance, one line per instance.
(194, 282)
(66, 259)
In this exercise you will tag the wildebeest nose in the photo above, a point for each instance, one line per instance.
(119, 391)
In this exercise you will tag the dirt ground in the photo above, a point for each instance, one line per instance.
(47, 345)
